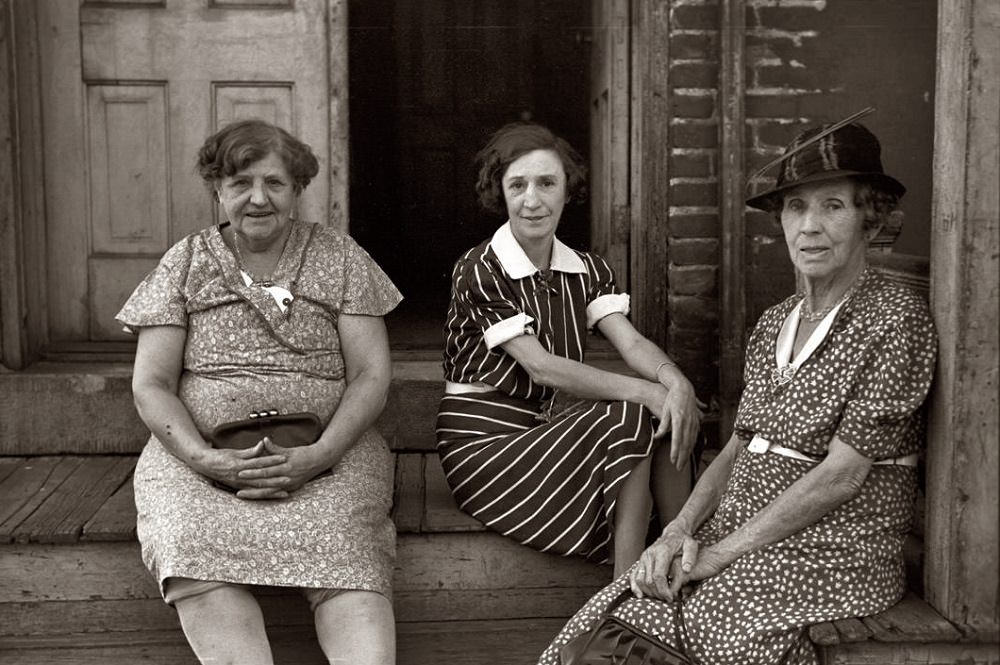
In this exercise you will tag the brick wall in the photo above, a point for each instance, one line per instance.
(693, 249)
(806, 62)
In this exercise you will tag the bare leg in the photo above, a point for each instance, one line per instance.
(670, 486)
(632, 518)
(357, 628)
(224, 626)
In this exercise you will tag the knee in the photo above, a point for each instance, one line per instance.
(192, 592)
(365, 605)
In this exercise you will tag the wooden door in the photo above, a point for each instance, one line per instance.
(445, 54)
(609, 135)
(130, 90)
(430, 81)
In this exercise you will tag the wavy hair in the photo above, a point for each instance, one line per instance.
(241, 143)
(513, 141)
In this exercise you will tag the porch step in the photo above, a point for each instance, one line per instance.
(75, 589)
(909, 633)
(85, 408)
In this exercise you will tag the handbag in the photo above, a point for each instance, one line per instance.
(288, 430)
(614, 641)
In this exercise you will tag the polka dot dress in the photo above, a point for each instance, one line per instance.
(865, 384)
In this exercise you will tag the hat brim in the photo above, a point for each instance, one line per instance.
(766, 200)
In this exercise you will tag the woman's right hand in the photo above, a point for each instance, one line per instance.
(662, 568)
(679, 412)
(224, 465)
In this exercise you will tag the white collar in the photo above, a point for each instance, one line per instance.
(516, 263)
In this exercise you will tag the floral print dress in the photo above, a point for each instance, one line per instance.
(244, 354)
(865, 383)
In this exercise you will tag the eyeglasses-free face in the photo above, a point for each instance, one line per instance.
(259, 200)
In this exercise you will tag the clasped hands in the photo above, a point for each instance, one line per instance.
(265, 471)
(674, 560)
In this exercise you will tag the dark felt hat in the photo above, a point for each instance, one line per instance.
(817, 155)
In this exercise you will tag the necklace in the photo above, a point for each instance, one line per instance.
(806, 313)
(265, 281)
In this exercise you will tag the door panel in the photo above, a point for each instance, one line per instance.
(128, 168)
(134, 89)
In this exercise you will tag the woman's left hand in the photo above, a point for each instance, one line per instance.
(709, 563)
(658, 573)
(302, 464)
(681, 414)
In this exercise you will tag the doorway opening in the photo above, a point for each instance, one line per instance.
(429, 82)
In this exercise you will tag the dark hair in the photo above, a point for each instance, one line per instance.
(240, 144)
(513, 141)
(876, 202)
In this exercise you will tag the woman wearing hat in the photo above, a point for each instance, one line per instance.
(801, 517)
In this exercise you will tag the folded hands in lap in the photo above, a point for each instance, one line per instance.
(265, 471)
(674, 560)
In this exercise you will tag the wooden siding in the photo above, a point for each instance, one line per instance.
(963, 459)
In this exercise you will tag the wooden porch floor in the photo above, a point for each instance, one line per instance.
(75, 590)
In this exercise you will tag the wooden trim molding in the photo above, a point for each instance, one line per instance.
(10, 338)
(339, 124)
(732, 305)
(22, 277)
(650, 160)
(962, 455)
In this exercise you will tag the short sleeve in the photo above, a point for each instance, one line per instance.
(604, 298)
(159, 299)
(890, 389)
(367, 289)
(489, 303)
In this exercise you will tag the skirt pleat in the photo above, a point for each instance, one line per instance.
(550, 485)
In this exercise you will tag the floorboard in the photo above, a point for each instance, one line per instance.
(27, 490)
(517, 642)
(60, 518)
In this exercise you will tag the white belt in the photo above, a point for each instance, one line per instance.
(761, 445)
(453, 388)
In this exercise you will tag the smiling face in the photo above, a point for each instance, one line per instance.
(825, 231)
(258, 201)
(534, 188)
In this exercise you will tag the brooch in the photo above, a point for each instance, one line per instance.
(781, 377)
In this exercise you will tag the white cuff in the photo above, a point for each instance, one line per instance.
(607, 304)
(506, 330)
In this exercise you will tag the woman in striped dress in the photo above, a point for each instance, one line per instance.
(521, 305)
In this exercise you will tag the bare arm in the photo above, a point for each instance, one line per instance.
(365, 347)
(158, 363)
(831, 483)
(580, 379)
(364, 343)
(680, 412)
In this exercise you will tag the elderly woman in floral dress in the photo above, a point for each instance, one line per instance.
(265, 312)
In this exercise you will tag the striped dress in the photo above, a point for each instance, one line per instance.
(550, 483)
